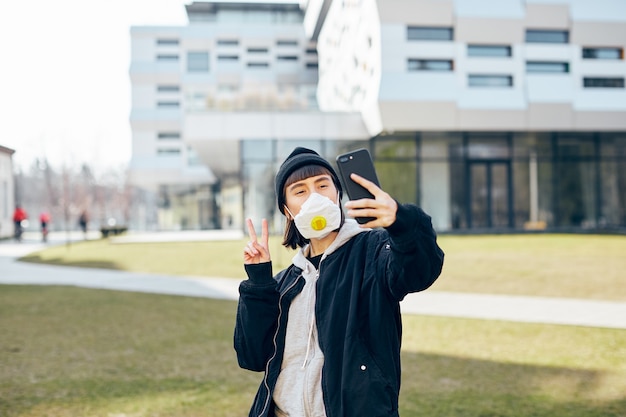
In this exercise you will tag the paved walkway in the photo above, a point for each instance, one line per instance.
(430, 302)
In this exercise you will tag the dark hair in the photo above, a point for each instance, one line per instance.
(292, 237)
(299, 158)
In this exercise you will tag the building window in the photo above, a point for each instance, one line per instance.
(603, 53)
(193, 160)
(603, 82)
(169, 135)
(167, 57)
(287, 58)
(499, 51)
(170, 42)
(258, 65)
(552, 67)
(198, 61)
(228, 57)
(168, 88)
(286, 43)
(421, 33)
(168, 152)
(168, 104)
(547, 36)
(490, 80)
(228, 42)
(257, 50)
(311, 65)
(311, 51)
(430, 65)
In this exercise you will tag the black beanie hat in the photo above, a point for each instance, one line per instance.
(297, 159)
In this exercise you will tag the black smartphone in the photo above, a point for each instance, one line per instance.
(359, 162)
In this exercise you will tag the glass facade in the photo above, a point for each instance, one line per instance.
(261, 158)
(474, 181)
(508, 181)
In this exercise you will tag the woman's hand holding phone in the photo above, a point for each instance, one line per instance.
(382, 208)
(256, 252)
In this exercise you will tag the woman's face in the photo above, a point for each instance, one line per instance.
(298, 192)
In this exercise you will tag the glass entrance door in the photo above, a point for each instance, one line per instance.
(489, 194)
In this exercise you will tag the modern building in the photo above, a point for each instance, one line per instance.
(7, 192)
(493, 116)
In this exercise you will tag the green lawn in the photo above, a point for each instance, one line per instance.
(576, 266)
(72, 352)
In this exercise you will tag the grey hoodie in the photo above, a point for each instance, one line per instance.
(301, 370)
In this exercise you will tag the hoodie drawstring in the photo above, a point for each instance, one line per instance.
(308, 344)
(310, 336)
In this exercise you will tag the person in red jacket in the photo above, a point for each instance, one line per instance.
(44, 220)
(19, 215)
(326, 331)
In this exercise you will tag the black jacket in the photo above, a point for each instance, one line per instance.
(357, 310)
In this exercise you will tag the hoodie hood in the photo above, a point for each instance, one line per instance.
(349, 229)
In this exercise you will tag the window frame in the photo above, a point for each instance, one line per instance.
(168, 104)
(193, 64)
(168, 88)
(257, 64)
(168, 57)
(168, 136)
(537, 65)
(423, 65)
(227, 42)
(473, 51)
(472, 78)
(547, 36)
(621, 83)
(430, 33)
(168, 41)
(619, 56)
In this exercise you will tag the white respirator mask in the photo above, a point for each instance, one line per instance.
(318, 216)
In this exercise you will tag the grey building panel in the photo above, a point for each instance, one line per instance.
(417, 12)
(599, 120)
(599, 33)
(549, 116)
(554, 16)
(489, 31)
(414, 115)
(491, 120)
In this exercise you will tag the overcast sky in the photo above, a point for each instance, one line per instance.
(64, 83)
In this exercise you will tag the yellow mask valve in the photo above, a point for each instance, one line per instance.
(318, 223)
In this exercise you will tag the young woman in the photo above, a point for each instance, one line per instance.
(327, 330)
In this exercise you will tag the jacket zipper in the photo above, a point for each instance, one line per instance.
(319, 273)
(319, 342)
(267, 366)
(307, 400)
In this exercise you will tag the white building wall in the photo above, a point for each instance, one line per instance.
(365, 86)
(226, 87)
(7, 193)
(403, 93)
(350, 61)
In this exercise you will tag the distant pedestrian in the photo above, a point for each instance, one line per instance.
(44, 220)
(19, 217)
(83, 220)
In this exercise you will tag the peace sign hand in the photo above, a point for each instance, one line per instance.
(256, 252)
